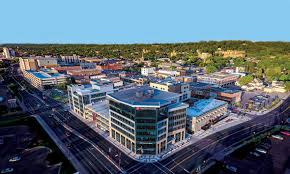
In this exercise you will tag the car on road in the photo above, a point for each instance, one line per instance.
(278, 137)
(263, 151)
(15, 158)
(7, 170)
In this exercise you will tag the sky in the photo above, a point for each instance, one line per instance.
(143, 21)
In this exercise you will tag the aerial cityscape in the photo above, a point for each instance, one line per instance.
(84, 102)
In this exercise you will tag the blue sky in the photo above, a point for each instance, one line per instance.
(143, 21)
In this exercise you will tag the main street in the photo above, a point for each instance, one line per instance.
(98, 155)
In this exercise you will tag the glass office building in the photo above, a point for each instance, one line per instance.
(139, 119)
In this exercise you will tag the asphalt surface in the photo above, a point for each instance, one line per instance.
(96, 157)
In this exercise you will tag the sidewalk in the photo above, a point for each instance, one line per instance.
(223, 124)
(92, 125)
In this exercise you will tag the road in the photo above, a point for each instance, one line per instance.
(98, 155)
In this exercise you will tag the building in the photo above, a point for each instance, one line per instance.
(83, 72)
(205, 90)
(35, 63)
(46, 62)
(203, 113)
(218, 78)
(146, 120)
(99, 114)
(45, 78)
(64, 69)
(138, 80)
(167, 73)
(81, 95)
(70, 59)
(256, 84)
(116, 81)
(88, 65)
(146, 71)
(110, 64)
(260, 102)
(201, 90)
(173, 86)
(28, 64)
(228, 95)
(276, 86)
(231, 53)
(6, 53)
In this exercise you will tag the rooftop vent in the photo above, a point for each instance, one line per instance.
(151, 92)
(139, 94)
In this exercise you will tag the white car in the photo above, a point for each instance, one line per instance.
(261, 150)
(278, 137)
(7, 170)
(14, 159)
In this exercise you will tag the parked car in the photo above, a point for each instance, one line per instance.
(285, 133)
(278, 137)
(255, 154)
(15, 158)
(263, 146)
(231, 168)
(7, 170)
(263, 151)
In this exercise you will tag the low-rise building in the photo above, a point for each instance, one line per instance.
(260, 102)
(276, 86)
(70, 59)
(173, 86)
(99, 114)
(228, 95)
(203, 113)
(138, 80)
(231, 53)
(45, 78)
(64, 69)
(81, 95)
(146, 71)
(83, 72)
(205, 90)
(218, 78)
(166, 73)
(256, 84)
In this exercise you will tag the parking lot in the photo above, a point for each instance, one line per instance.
(28, 150)
(271, 156)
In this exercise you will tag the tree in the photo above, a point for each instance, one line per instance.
(211, 69)
(245, 80)
(273, 73)
(287, 85)
(284, 77)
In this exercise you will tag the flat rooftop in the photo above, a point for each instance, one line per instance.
(217, 75)
(202, 106)
(102, 108)
(167, 81)
(45, 74)
(145, 96)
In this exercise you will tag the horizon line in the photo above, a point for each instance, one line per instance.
(134, 43)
